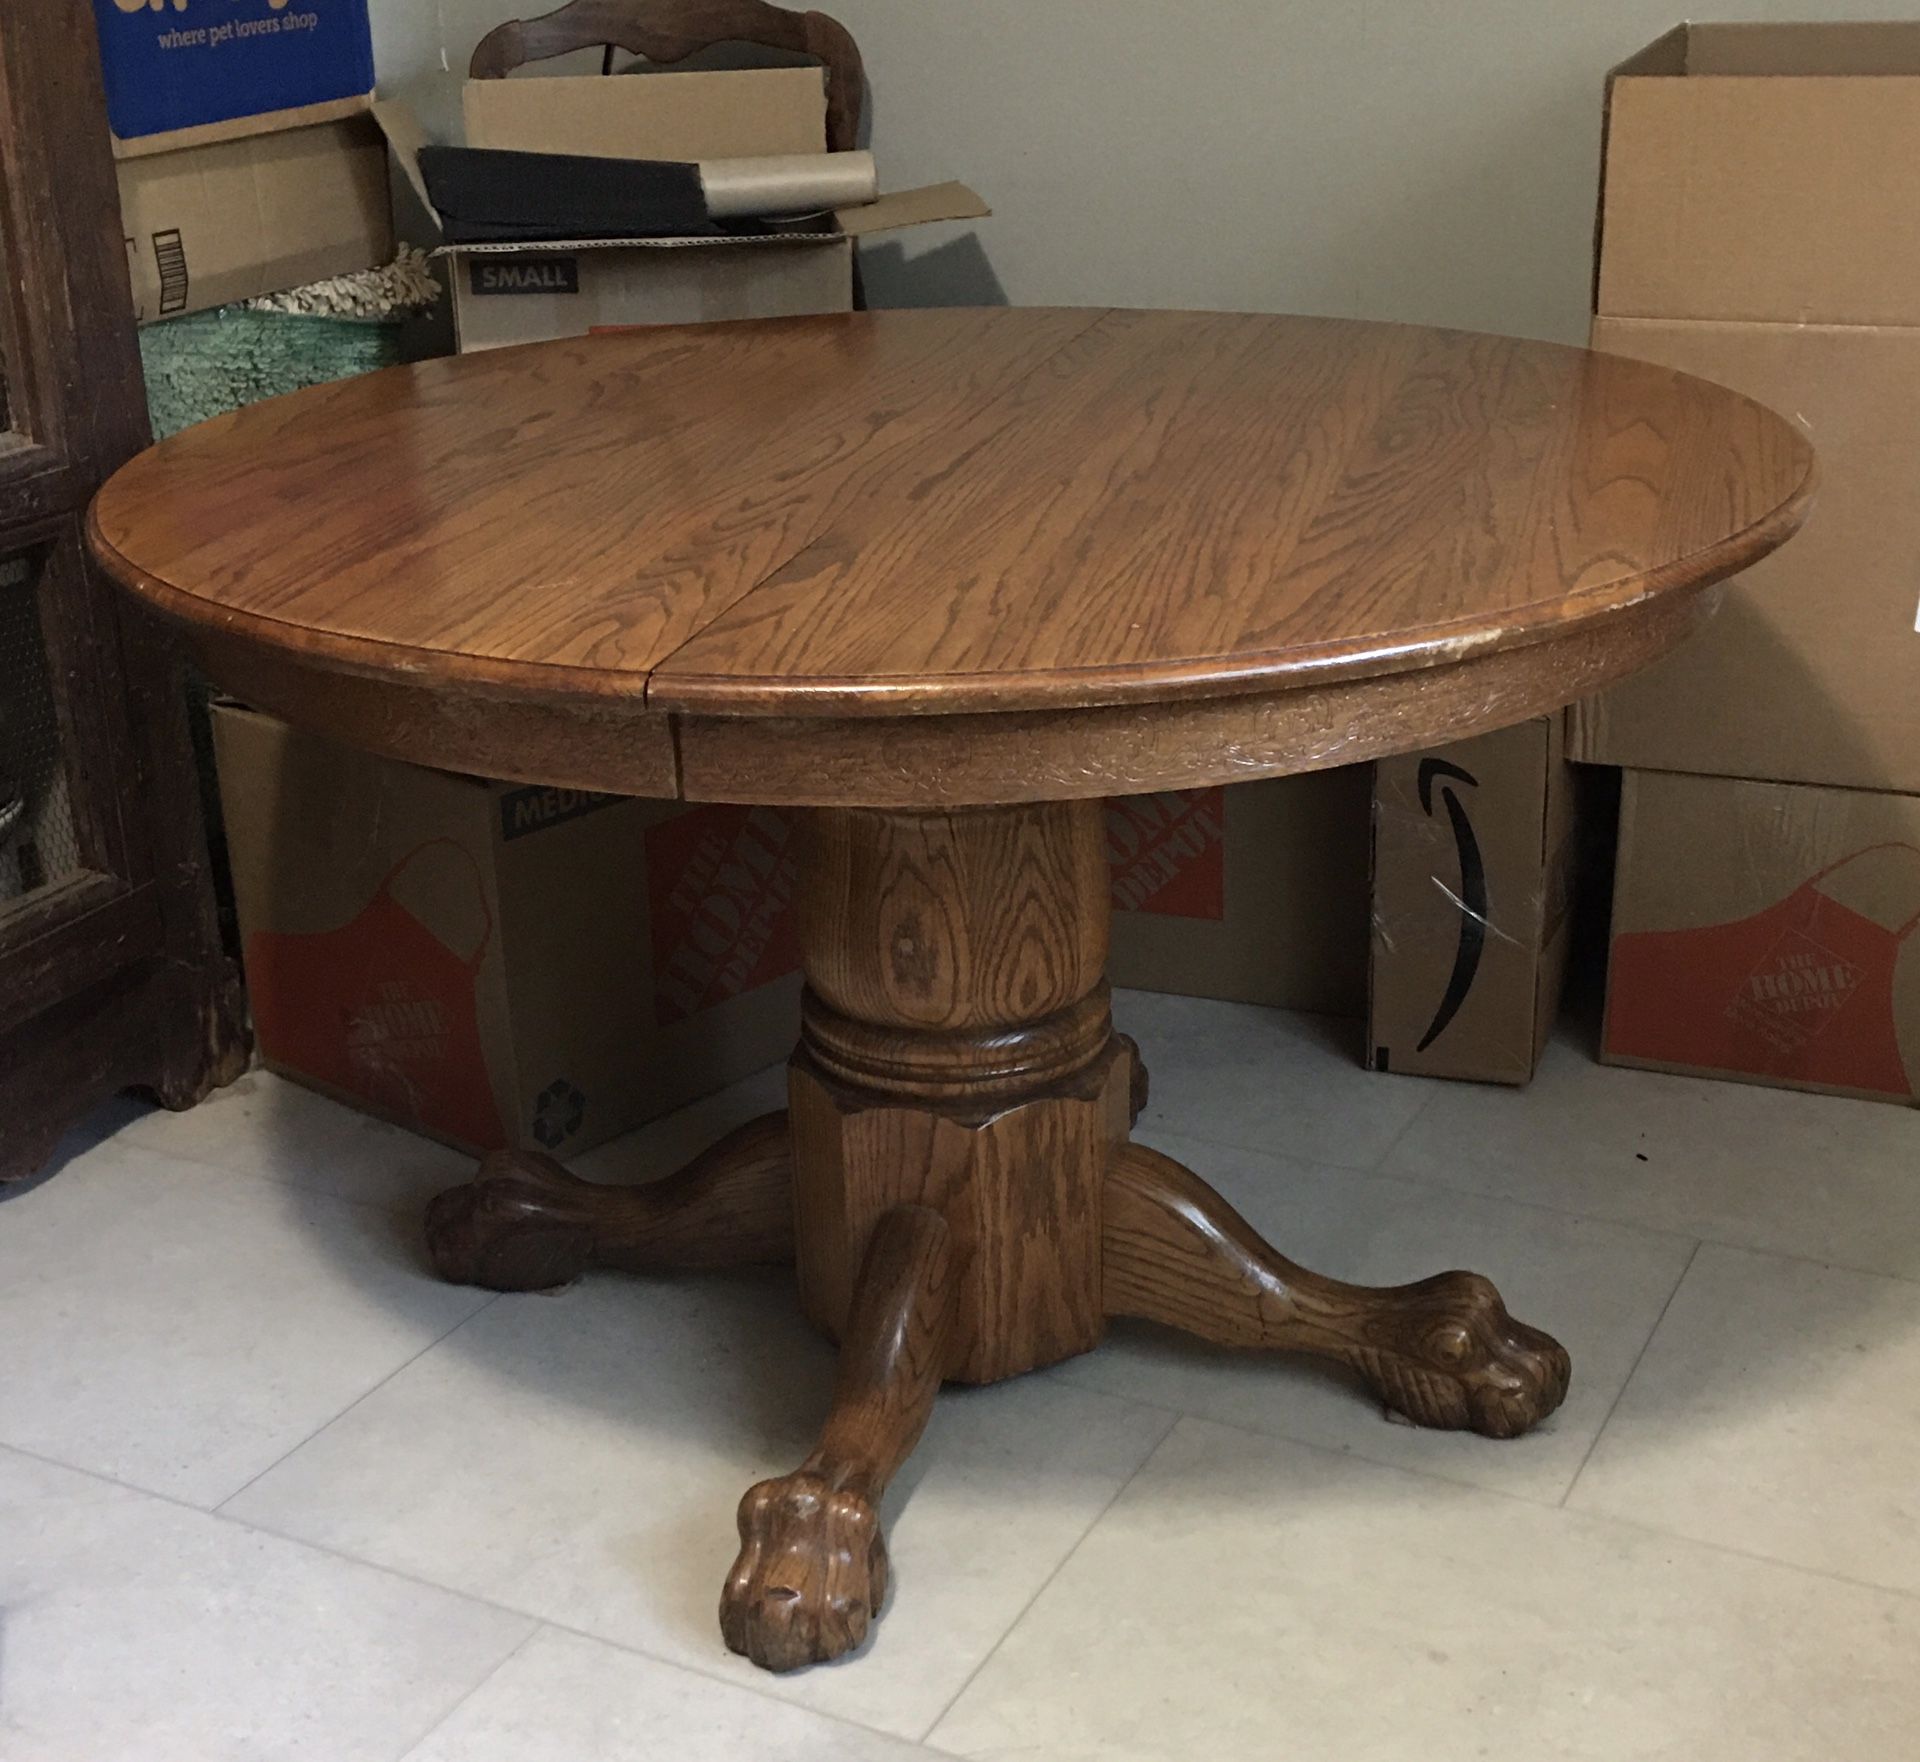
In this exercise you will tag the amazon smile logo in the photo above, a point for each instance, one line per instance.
(1472, 900)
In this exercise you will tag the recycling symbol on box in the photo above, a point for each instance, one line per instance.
(558, 1113)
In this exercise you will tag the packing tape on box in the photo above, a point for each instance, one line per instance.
(787, 183)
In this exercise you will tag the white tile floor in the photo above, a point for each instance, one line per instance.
(268, 1490)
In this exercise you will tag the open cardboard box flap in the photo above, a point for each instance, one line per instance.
(730, 115)
(517, 124)
(1762, 173)
(231, 219)
(1757, 227)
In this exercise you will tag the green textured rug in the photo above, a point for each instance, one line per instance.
(210, 362)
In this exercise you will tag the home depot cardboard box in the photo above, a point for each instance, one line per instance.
(516, 293)
(1473, 868)
(1757, 226)
(1254, 893)
(495, 964)
(1766, 931)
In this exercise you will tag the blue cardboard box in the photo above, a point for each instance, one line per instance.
(174, 65)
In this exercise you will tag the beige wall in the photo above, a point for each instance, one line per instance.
(1430, 160)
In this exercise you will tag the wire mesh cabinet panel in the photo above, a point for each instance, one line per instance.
(111, 973)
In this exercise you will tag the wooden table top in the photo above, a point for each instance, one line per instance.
(882, 540)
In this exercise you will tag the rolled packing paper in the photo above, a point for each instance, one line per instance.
(787, 183)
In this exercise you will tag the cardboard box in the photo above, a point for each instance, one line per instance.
(491, 963)
(673, 115)
(1760, 174)
(519, 293)
(193, 71)
(233, 219)
(1765, 931)
(494, 963)
(1254, 893)
(1757, 227)
(1473, 869)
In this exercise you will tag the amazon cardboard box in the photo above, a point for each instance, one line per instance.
(1758, 226)
(519, 293)
(1473, 867)
(1254, 893)
(1765, 931)
(494, 964)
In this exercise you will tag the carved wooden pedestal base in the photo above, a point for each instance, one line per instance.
(954, 1181)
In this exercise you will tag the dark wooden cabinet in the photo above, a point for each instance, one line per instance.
(111, 971)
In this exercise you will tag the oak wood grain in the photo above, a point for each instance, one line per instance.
(424, 719)
(961, 923)
(1443, 1352)
(553, 518)
(1197, 502)
(812, 1571)
(524, 1223)
(957, 1052)
(1118, 749)
(907, 515)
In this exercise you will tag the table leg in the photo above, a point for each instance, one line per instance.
(957, 1051)
(812, 1569)
(953, 1180)
(1442, 1352)
(524, 1224)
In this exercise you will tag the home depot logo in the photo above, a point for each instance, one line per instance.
(398, 1027)
(1166, 853)
(1795, 992)
(720, 884)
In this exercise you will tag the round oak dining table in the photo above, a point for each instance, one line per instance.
(943, 580)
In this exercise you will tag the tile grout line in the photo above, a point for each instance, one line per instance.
(260, 1529)
(1646, 1346)
(1475, 1489)
(536, 1623)
(540, 1623)
(330, 1552)
(1641, 1527)
(707, 1674)
(1341, 1452)
(479, 1309)
(312, 1186)
(1433, 1184)
(512, 1652)
(1377, 1171)
(1290, 1442)
(1469, 1489)
(1059, 1567)
(1422, 1184)
(1413, 1119)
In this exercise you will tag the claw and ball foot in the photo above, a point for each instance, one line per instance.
(1442, 1352)
(523, 1223)
(811, 1575)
